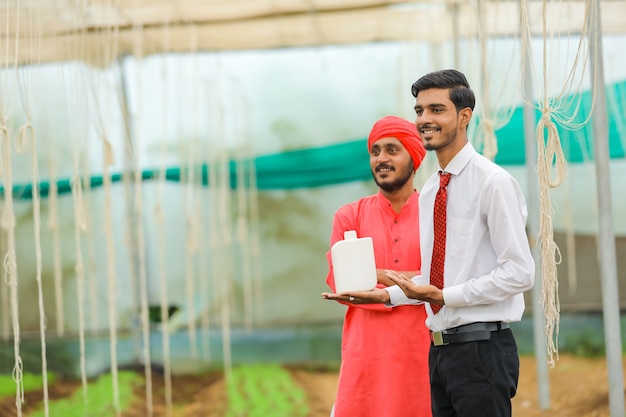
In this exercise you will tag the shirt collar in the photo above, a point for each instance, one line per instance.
(460, 160)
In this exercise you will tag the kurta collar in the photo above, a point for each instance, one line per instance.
(384, 201)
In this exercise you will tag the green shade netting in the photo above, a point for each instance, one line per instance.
(348, 161)
(577, 144)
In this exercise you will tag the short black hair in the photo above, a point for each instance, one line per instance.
(461, 94)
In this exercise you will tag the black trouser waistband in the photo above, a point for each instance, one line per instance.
(467, 333)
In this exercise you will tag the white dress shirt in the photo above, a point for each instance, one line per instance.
(488, 263)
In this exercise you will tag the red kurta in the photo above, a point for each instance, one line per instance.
(384, 368)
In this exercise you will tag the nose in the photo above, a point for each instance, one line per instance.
(383, 156)
(422, 118)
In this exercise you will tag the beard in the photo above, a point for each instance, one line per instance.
(398, 183)
(448, 138)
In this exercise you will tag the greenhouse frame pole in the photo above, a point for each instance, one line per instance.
(606, 234)
(530, 148)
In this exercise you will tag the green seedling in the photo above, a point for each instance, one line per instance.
(262, 390)
(30, 382)
(98, 400)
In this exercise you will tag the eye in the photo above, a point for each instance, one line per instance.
(419, 112)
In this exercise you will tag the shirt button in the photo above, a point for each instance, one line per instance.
(395, 240)
(396, 261)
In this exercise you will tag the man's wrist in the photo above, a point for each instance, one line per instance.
(385, 297)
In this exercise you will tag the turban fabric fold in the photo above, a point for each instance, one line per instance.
(404, 131)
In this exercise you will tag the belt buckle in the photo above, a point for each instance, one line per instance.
(438, 339)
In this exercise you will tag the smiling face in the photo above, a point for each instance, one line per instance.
(441, 127)
(391, 164)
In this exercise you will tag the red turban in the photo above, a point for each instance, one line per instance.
(404, 131)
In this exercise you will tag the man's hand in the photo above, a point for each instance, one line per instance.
(426, 293)
(375, 296)
(382, 277)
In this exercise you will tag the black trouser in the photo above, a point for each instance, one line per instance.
(474, 379)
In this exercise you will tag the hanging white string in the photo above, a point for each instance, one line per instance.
(107, 153)
(565, 107)
(28, 131)
(53, 226)
(226, 241)
(84, 87)
(243, 232)
(4, 290)
(162, 252)
(551, 163)
(547, 152)
(10, 261)
(79, 268)
(107, 157)
(218, 253)
(219, 225)
(204, 244)
(494, 109)
(247, 212)
(6, 305)
(10, 268)
(570, 244)
(486, 123)
(209, 248)
(545, 236)
(191, 214)
(79, 187)
(140, 234)
(203, 273)
(255, 244)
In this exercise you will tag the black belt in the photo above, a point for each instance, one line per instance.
(467, 333)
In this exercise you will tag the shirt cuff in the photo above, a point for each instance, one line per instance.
(396, 296)
(453, 296)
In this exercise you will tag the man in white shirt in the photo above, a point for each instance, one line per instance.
(473, 359)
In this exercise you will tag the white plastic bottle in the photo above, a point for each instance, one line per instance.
(354, 264)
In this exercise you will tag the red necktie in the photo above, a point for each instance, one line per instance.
(439, 245)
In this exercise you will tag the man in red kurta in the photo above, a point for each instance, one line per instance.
(384, 353)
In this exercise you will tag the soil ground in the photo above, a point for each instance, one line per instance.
(578, 387)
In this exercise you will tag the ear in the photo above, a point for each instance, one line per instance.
(465, 116)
